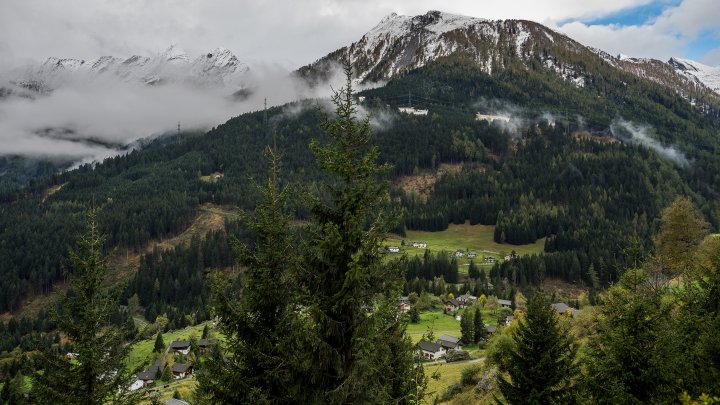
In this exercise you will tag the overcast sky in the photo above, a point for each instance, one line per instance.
(294, 33)
(273, 37)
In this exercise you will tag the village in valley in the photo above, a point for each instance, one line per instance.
(450, 327)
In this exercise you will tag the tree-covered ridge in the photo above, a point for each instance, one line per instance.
(152, 193)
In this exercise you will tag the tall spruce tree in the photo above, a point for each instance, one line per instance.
(541, 365)
(467, 332)
(98, 375)
(159, 343)
(478, 326)
(361, 354)
(261, 327)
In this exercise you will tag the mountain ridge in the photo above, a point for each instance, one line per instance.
(219, 67)
(398, 44)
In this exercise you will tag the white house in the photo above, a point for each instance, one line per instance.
(459, 253)
(430, 350)
(412, 110)
(393, 249)
(420, 245)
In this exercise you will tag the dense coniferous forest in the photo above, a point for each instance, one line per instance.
(593, 199)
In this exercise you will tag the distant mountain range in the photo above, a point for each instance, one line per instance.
(402, 43)
(218, 67)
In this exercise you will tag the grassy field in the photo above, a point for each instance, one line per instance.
(477, 238)
(185, 387)
(450, 373)
(142, 355)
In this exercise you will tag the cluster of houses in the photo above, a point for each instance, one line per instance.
(511, 256)
(178, 370)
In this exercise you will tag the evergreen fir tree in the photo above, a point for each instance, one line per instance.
(478, 326)
(467, 331)
(361, 354)
(263, 332)
(159, 344)
(205, 332)
(541, 366)
(99, 375)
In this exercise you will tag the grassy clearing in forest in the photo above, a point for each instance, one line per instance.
(473, 238)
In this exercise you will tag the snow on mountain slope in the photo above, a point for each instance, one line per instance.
(401, 43)
(707, 75)
(218, 67)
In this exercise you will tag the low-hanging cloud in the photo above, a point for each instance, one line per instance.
(640, 135)
(91, 120)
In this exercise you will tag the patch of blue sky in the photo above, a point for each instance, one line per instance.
(638, 15)
(706, 41)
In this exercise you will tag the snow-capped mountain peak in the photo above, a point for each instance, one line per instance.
(707, 75)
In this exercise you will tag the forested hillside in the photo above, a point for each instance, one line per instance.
(589, 196)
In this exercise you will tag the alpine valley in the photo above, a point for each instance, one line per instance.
(560, 152)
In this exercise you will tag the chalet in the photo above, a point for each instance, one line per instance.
(451, 304)
(361, 99)
(466, 299)
(563, 309)
(449, 342)
(459, 253)
(393, 249)
(412, 111)
(420, 245)
(472, 255)
(180, 346)
(509, 319)
(490, 259)
(205, 344)
(72, 356)
(147, 377)
(505, 303)
(512, 256)
(404, 304)
(490, 329)
(180, 370)
(430, 350)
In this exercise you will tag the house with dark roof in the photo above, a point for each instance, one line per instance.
(205, 344)
(505, 303)
(564, 309)
(180, 346)
(147, 377)
(490, 329)
(180, 370)
(430, 350)
(449, 342)
(451, 304)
